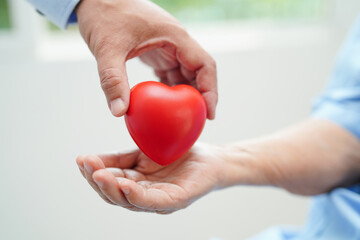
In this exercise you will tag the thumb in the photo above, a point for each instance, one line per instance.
(114, 83)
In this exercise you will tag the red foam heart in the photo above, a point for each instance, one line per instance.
(165, 121)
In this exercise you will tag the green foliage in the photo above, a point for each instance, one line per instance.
(213, 10)
(203, 10)
(53, 27)
(4, 15)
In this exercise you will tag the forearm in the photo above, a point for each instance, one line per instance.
(310, 158)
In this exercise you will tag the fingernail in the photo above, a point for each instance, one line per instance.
(88, 168)
(117, 106)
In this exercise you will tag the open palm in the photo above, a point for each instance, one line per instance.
(131, 180)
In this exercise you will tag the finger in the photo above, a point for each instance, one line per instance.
(147, 198)
(207, 89)
(209, 93)
(93, 163)
(189, 75)
(120, 160)
(117, 172)
(114, 82)
(161, 74)
(175, 77)
(164, 80)
(194, 58)
(134, 175)
(82, 172)
(80, 163)
(127, 173)
(145, 166)
(163, 57)
(108, 185)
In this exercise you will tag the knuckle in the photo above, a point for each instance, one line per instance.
(102, 46)
(172, 27)
(109, 79)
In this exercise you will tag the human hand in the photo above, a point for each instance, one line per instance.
(118, 30)
(133, 181)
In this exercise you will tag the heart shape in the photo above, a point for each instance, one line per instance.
(165, 121)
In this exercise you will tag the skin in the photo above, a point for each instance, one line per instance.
(309, 158)
(118, 30)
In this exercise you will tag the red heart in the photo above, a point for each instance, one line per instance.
(165, 121)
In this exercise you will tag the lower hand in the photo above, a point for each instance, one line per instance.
(133, 181)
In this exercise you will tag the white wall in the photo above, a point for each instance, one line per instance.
(53, 110)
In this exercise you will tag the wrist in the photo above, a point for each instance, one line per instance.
(242, 166)
(78, 6)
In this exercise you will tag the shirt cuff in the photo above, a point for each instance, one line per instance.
(343, 113)
(60, 12)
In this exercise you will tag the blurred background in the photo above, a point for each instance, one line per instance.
(273, 57)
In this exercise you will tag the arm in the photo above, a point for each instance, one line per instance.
(310, 158)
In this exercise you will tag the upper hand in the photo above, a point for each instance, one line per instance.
(133, 181)
(118, 30)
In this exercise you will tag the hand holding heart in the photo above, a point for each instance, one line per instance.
(133, 181)
(118, 30)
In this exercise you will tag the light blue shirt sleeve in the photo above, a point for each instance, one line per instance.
(340, 102)
(60, 12)
(335, 215)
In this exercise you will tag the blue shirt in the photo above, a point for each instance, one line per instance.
(60, 12)
(335, 215)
